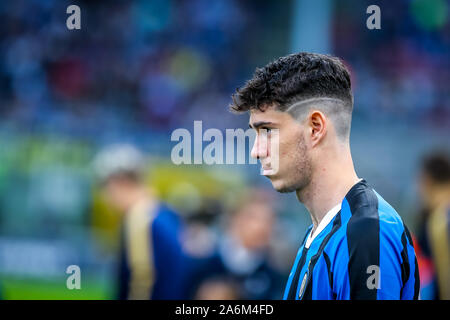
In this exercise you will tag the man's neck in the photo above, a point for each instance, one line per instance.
(329, 184)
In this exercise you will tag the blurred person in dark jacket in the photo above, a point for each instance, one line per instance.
(242, 255)
(434, 227)
(151, 252)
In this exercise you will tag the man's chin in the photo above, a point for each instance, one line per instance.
(281, 187)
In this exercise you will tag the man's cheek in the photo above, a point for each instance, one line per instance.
(275, 151)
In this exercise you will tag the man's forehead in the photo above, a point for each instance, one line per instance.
(267, 115)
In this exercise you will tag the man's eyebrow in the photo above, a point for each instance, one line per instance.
(258, 124)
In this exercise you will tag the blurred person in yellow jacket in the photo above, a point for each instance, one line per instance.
(434, 234)
(151, 253)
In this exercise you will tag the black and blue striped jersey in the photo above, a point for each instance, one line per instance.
(364, 252)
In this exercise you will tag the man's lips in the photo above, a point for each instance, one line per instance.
(266, 169)
(265, 166)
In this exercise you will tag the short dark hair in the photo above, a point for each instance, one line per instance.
(294, 78)
(437, 167)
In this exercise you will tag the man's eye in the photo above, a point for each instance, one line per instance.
(268, 130)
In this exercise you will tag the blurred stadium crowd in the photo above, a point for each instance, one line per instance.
(139, 69)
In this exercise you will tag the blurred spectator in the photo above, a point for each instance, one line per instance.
(151, 255)
(434, 227)
(243, 255)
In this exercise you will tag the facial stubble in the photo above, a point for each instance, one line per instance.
(299, 176)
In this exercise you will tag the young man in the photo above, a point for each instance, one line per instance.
(357, 246)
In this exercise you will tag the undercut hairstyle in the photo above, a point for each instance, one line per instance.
(298, 82)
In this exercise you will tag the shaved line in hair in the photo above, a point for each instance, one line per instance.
(332, 107)
(312, 100)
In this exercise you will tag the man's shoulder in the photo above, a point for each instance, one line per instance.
(164, 212)
(166, 220)
(366, 219)
(364, 204)
(361, 200)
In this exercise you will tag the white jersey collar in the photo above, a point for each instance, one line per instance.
(323, 223)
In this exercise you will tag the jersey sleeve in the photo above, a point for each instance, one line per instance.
(371, 263)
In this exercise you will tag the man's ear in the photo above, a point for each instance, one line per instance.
(317, 123)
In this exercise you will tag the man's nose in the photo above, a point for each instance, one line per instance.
(259, 149)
